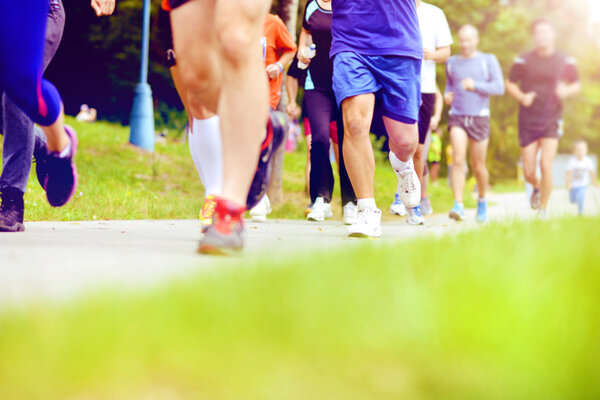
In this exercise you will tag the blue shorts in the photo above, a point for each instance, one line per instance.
(395, 81)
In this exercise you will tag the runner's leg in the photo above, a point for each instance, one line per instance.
(549, 147)
(529, 155)
(357, 149)
(478, 162)
(458, 140)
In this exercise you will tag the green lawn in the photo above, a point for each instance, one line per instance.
(118, 181)
(503, 312)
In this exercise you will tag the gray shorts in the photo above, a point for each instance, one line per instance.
(477, 128)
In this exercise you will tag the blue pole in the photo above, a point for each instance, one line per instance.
(142, 113)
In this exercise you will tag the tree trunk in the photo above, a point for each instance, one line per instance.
(288, 12)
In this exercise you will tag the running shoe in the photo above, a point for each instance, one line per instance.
(481, 211)
(350, 212)
(426, 208)
(225, 235)
(274, 140)
(536, 199)
(320, 211)
(261, 210)
(409, 187)
(207, 212)
(12, 210)
(367, 224)
(397, 208)
(542, 214)
(458, 211)
(415, 216)
(61, 179)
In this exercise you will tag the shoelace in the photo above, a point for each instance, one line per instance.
(408, 184)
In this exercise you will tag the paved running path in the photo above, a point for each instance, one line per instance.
(56, 260)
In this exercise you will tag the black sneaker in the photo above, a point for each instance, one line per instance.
(61, 180)
(262, 177)
(225, 234)
(12, 210)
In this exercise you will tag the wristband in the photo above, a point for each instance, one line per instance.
(280, 66)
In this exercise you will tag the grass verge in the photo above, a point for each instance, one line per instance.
(503, 312)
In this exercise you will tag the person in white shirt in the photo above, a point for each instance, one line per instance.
(437, 39)
(580, 172)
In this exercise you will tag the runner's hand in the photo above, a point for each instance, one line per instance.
(449, 98)
(293, 110)
(301, 57)
(562, 90)
(428, 54)
(103, 7)
(468, 84)
(528, 99)
(273, 71)
(434, 124)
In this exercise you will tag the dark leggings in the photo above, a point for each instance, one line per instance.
(22, 40)
(321, 109)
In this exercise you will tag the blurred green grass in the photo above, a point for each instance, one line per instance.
(502, 312)
(119, 181)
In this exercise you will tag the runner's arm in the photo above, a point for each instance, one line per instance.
(440, 55)
(568, 180)
(303, 44)
(438, 109)
(449, 91)
(103, 7)
(495, 84)
(291, 87)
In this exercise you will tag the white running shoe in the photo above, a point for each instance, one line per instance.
(415, 217)
(409, 187)
(367, 224)
(350, 213)
(320, 211)
(397, 208)
(260, 211)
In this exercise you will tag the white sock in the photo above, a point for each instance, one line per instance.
(66, 151)
(481, 199)
(398, 164)
(367, 204)
(207, 153)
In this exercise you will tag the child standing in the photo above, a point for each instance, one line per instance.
(580, 171)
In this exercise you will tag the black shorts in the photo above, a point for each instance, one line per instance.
(165, 36)
(477, 128)
(528, 136)
(425, 113)
(176, 3)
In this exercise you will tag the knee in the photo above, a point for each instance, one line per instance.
(355, 126)
(479, 167)
(237, 36)
(529, 174)
(405, 144)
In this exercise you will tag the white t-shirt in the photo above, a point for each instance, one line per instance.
(580, 171)
(435, 33)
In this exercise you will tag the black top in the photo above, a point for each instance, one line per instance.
(317, 21)
(541, 75)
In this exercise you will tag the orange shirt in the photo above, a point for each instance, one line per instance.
(278, 41)
(165, 5)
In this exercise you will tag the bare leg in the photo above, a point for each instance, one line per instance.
(308, 139)
(529, 155)
(458, 139)
(434, 170)
(404, 138)
(419, 161)
(223, 73)
(56, 135)
(549, 148)
(357, 148)
(478, 161)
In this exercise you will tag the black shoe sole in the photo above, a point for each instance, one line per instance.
(18, 227)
